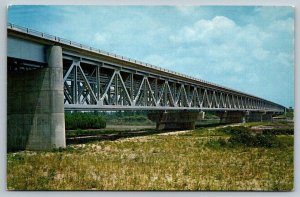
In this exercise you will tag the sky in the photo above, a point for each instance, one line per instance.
(247, 48)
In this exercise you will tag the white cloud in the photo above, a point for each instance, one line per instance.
(101, 37)
(206, 30)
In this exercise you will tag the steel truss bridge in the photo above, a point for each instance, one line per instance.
(97, 80)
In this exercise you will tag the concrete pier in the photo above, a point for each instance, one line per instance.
(242, 117)
(259, 117)
(267, 117)
(232, 117)
(35, 106)
(254, 117)
(174, 120)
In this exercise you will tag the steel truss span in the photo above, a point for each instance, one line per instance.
(94, 85)
(98, 80)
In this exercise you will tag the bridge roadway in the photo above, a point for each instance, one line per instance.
(48, 75)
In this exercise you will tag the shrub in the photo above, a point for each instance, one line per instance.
(84, 121)
(286, 131)
(242, 136)
(268, 141)
(258, 140)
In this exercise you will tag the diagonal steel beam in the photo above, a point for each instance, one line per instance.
(139, 91)
(69, 71)
(161, 94)
(67, 92)
(185, 95)
(87, 83)
(124, 87)
(108, 86)
(170, 92)
(151, 91)
(197, 97)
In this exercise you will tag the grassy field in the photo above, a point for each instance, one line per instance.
(187, 160)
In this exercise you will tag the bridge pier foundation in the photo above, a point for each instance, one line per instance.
(267, 117)
(231, 117)
(259, 117)
(35, 106)
(254, 117)
(174, 120)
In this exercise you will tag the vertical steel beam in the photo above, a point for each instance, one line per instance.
(145, 91)
(75, 85)
(98, 92)
(116, 89)
(155, 89)
(131, 87)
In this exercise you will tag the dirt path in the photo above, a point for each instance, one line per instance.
(152, 137)
(129, 127)
(175, 132)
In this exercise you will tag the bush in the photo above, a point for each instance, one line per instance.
(268, 141)
(241, 135)
(241, 138)
(286, 131)
(84, 121)
(258, 140)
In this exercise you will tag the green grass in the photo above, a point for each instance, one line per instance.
(196, 160)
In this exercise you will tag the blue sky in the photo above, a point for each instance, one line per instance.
(247, 48)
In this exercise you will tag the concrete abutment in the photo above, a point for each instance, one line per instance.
(35, 106)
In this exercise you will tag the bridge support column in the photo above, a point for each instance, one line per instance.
(259, 117)
(231, 117)
(174, 120)
(254, 117)
(35, 106)
(267, 117)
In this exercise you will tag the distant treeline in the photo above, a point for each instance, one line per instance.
(80, 120)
